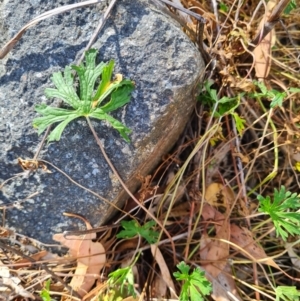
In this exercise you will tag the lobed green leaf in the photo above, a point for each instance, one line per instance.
(119, 97)
(86, 103)
(65, 90)
(195, 285)
(132, 228)
(120, 127)
(285, 221)
(88, 75)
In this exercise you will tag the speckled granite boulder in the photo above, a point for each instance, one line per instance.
(149, 48)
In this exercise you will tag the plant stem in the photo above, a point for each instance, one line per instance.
(126, 188)
(273, 174)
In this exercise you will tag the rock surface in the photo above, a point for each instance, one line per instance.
(149, 48)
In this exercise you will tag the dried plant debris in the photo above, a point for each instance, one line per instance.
(227, 195)
(32, 165)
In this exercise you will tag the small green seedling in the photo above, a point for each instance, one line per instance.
(45, 294)
(89, 102)
(285, 222)
(287, 293)
(132, 229)
(275, 96)
(195, 285)
(223, 7)
(291, 6)
(223, 106)
(124, 278)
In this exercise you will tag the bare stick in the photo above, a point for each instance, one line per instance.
(191, 13)
(269, 25)
(99, 27)
(5, 246)
(126, 188)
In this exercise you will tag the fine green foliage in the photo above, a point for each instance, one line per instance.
(124, 278)
(225, 105)
(223, 7)
(285, 222)
(287, 293)
(111, 295)
(195, 285)
(89, 101)
(44, 294)
(132, 228)
(292, 5)
(275, 96)
(239, 122)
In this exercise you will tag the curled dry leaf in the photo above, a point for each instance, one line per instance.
(262, 52)
(32, 165)
(163, 269)
(90, 259)
(24, 262)
(244, 159)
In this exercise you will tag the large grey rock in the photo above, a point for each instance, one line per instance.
(148, 48)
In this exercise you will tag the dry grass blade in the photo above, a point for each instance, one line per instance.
(207, 210)
(156, 253)
(12, 284)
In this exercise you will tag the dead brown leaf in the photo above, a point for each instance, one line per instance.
(246, 245)
(262, 52)
(90, 256)
(33, 165)
(218, 195)
(215, 251)
(23, 262)
(224, 287)
(163, 269)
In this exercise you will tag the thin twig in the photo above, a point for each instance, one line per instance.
(124, 185)
(269, 25)
(200, 25)
(44, 266)
(191, 13)
(99, 27)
